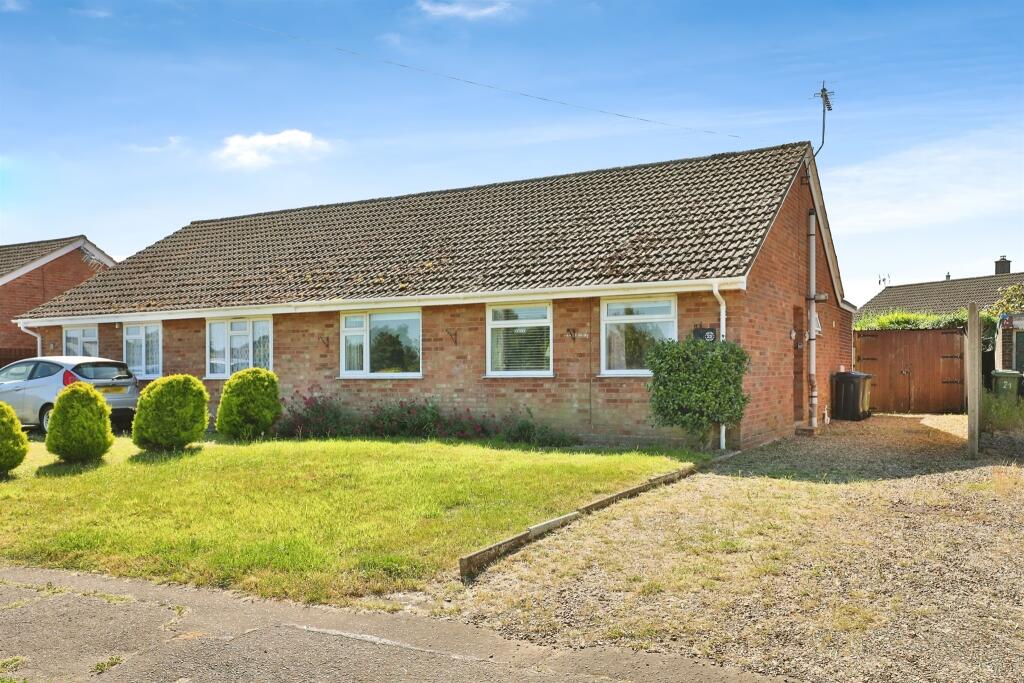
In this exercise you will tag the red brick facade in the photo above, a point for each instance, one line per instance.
(34, 288)
(577, 398)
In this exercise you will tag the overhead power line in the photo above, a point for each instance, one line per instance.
(474, 83)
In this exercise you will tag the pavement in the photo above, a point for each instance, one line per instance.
(67, 626)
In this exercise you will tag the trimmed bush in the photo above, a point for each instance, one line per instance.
(80, 424)
(13, 442)
(697, 384)
(172, 413)
(249, 404)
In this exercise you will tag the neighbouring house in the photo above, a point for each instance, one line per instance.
(950, 296)
(32, 273)
(539, 295)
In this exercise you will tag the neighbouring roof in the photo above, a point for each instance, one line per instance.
(15, 256)
(687, 219)
(942, 296)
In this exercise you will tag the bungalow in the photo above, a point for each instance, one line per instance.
(539, 294)
(32, 273)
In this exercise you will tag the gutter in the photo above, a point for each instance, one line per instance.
(39, 337)
(498, 296)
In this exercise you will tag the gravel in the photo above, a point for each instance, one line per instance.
(875, 552)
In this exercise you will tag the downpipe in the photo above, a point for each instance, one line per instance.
(812, 315)
(39, 338)
(721, 338)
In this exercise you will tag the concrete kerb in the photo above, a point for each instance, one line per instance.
(470, 566)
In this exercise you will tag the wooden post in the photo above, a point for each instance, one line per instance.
(973, 372)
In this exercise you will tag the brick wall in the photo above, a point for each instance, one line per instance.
(774, 305)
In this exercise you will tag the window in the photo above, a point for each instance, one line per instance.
(519, 340)
(44, 369)
(630, 328)
(237, 344)
(18, 372)
(142, 349)
(104, 370)
(384, 344)
(81, 341)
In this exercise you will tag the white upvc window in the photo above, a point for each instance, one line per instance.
(81, 340)
(234, 344)
(381, 344)
(630, 328)
(143, 349)
(519, 340)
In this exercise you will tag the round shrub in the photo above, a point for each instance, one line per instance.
(249, 404)
(172, 412)
(80, 424)
(13, 442)
(696, 384)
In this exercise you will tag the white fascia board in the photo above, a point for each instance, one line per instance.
(612, 290)
(826, 233)
(80, 243)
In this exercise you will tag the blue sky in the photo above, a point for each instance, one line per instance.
(126, 120)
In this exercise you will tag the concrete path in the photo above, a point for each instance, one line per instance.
(64, 624)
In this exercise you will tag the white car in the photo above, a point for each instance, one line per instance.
(31, 386)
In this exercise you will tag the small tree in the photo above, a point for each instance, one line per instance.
(1011, 300)
(80, 424)
(13, 442)
(697, 384)
(172, 412)
(249, 404)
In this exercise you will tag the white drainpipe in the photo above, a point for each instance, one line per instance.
(39, 338)
(812, 314)
(721, 337)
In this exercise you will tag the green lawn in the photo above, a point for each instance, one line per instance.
(320, 521)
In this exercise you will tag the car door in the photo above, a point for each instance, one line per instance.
(41, 388)
(12, 387)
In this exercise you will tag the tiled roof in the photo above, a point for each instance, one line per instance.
(676, 220)
(942, 296)
(14, 256)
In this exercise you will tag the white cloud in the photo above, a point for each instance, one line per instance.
(464, 9)
(392, 39)
(262, 150)
(173, 143)
(11, 6)
(94, 12)
(962, 179)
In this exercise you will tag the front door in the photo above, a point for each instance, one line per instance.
(1018, 350)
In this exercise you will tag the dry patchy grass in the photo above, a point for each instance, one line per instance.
(877, 552)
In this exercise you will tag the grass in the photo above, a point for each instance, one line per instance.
(1002, 414)
(106, 664)
(317, 521)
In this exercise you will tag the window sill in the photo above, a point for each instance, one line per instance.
(619, 375)
(215, 377)
(519, 375)
(148, 377)
(415, 375)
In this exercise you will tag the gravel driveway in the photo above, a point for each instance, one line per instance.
(875, 552)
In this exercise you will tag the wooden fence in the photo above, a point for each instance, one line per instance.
(914, 371)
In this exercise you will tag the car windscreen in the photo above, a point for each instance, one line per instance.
(103, 370)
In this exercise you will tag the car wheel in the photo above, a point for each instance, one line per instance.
(44, 419)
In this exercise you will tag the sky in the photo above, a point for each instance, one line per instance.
(126, 120)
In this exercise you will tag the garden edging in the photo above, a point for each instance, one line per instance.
(471, 565)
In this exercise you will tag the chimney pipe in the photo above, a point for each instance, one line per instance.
(947, 274)
(1002, 265)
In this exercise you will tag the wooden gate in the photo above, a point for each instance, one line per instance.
(914, 371)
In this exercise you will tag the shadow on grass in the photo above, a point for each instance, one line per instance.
(68, 469)
(157, 457)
